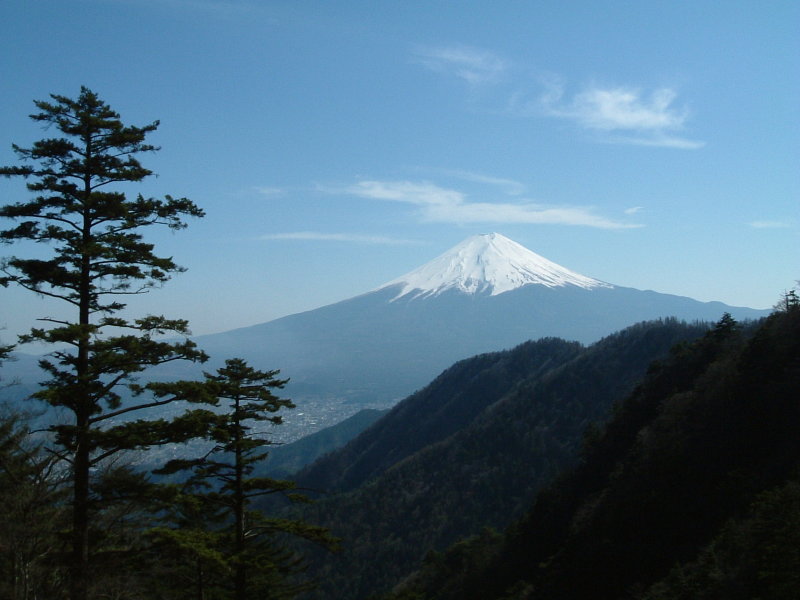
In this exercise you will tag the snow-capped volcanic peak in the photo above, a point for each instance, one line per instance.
(487, 263)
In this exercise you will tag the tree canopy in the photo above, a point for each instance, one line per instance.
(227, 537)
(97, 257)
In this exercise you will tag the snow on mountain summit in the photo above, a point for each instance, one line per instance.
(487, 263)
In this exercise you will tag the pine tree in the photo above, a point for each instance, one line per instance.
(224, 484)
(789, 301)
(97, 258)
(185, 550)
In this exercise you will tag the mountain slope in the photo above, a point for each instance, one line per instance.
(448, 404)
(699, 468)
(485, 295)
(484, 473)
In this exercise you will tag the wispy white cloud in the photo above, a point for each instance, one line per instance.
(509, 186)
(473, 65)
(659, 141)
(423, 194)
(441, 205)
(633, 210)
(621, 114)
(339, 237)
(483, 212)
(269, 191)
(618, 114)
(623, 108)
(769, 224)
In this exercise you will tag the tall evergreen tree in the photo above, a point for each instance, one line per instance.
(257, 564)
(98, 257)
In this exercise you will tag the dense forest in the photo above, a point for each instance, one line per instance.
(469, 451)
(691, 490)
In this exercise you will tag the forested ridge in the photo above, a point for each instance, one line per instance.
(527, 411)
(689, 491)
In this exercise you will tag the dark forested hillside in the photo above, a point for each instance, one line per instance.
(445, 406)
(471, 451)
(691, 491)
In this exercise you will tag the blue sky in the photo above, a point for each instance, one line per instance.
(338, 145)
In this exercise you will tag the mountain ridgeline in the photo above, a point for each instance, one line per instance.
(469, 451)
(690, 491)
(486, 294)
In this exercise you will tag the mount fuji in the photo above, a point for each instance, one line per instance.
(487, 263)
(487, 293)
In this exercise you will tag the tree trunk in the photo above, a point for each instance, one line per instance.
(79, 568)
(239, 507)
(201, 585)
(79, 576)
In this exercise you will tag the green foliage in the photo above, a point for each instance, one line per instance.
(97, 257)
(755, 557)
(697, 468)
(210, 521)
(32, 495)
(520, 416)
(441, 572)
(94, 232)
(4, 352)
(448, 404)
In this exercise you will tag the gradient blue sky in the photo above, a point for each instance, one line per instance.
(338, 145)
